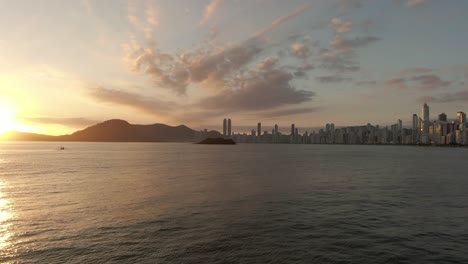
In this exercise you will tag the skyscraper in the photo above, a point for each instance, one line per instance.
(426, 123)
(224, 127)
(259, 132)
(425, 112)
(229, 127)
(293, 131)
(415, 128)
(461, 117)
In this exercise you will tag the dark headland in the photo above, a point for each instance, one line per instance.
(217, 141)
(116, 130)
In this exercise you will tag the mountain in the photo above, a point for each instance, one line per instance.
(117, 130)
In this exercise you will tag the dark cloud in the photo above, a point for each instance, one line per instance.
(143, 104)
(332, 79)
(430, 82)
(71, 122)
(358, 42)
(258, 91)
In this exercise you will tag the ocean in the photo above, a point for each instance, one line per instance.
(188, 203)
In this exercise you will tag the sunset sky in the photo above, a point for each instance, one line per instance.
(68, 64)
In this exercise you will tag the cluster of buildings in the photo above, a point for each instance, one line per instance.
(422, 131)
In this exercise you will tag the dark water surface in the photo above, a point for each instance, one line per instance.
(186, 203)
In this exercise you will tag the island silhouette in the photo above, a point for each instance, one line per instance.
(116, 130)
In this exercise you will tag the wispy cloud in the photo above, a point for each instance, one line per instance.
(210, 10)
(340, 26)
(282, 20)
(204, 66)
(430, 82)
(288, 112)
(70, 122)
(148, 23)
(412, 3)
(332, 79)
(147, 105)
(399, 83)
(423, 82)
(460, 96)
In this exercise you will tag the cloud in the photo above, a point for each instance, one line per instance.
(430, 82)
(210, 10)
(150, 21)
(399, 83)
(339, 61)
(71, 122)
(283, 20)
(358, 42)
(341, 56)
(417, 70)
(424, 82)
(412, 3)
(288, 112)
(268, 64)
(258, 91)
(461, 96)
(340, 26)
(151, 106)
(300, 51)
(332, 79)
(208, 67)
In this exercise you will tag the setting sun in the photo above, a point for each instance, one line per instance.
(6, 120)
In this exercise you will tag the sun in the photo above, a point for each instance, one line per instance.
(7, 122)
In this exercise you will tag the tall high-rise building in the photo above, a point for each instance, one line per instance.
(461, 117)
(224, 127)
(415, 128)
(425, 112)
(443, 117)
(229, 128)
(259, 131)
(426, 123)
(293, 131)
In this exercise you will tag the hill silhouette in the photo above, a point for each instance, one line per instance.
(117, 130)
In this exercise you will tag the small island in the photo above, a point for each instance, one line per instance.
(218, 141)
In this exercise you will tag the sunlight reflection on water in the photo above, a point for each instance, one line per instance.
(5, 225)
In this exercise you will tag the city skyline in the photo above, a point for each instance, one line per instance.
(423, 130)
(67, 65)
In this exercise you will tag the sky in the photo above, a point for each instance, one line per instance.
(67, 64)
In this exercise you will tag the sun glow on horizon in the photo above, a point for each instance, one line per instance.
(8, 122)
